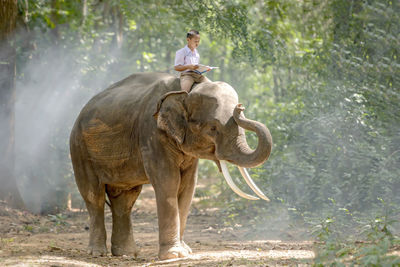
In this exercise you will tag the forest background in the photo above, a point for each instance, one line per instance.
(322, 75)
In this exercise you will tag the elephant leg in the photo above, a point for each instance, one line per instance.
(166, 186)
(93, 193)
(165, 176)
(169, 224)
(97, 236)
(122, 241)
(186, 192)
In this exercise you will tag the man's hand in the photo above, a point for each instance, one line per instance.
(193, 67)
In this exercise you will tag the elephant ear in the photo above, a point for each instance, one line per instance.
(171, 115)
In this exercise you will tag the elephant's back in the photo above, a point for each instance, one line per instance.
(146, 80)
(136, 93)
(109, 121)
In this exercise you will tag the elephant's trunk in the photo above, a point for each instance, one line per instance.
(245, 156)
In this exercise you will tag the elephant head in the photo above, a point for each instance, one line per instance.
(209, 123)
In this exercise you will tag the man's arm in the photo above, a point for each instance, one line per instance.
(186, 67)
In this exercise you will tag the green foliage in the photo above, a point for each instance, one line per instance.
(334, 123)
(338, 238)
(28, 228)
(58, 219)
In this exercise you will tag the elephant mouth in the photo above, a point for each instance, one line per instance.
(204, 153)
(208, 152)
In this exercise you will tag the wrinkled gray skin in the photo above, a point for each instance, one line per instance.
(144, 130)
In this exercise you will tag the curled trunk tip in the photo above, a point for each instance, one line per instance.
(247, 157)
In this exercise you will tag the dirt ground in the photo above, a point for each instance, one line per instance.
(61, 240)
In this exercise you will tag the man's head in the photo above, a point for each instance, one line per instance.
(193, 39)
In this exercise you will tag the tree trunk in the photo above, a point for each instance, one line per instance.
(222, 65)
(8, 189)
(276, 85)
(55, 32)
(169, 61)
(119, 25)
(84, 12)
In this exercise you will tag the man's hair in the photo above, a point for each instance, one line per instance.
(192, 33)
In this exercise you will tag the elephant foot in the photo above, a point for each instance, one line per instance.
(184, 245)
(126, 250)
(97, 250)
(168, 252)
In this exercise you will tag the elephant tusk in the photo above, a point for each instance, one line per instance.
(218, 165)
(232, 185)
(251, 183)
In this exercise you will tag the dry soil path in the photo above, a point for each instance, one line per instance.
(32, 240)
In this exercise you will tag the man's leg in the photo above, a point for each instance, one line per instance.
(204, 79)
(186, 82)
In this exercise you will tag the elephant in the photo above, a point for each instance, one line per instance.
(145, 130)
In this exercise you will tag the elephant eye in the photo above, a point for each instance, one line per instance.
(213, 131)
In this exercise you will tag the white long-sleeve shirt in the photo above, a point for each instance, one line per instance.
(185, 56)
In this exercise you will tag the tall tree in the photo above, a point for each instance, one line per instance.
(8, 189)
